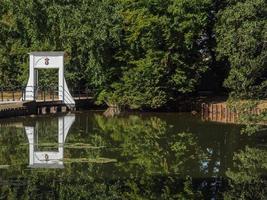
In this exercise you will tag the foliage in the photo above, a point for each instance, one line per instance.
(246, 180)
(241, 36)
(161, 56)
(83, 29)
(140, 54)
(248, 115)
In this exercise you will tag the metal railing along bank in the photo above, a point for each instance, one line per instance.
(41, 93)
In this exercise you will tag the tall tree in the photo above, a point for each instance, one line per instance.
(161, 51)
(83, 29)
(241, 37)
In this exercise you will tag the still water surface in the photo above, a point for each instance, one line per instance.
(135, 156)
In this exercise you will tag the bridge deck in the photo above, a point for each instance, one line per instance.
(11, 105)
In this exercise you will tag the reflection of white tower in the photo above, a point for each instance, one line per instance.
(49, 159)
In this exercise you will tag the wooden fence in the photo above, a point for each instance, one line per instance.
(220, 112)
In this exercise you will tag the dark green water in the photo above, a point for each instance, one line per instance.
(136, 156)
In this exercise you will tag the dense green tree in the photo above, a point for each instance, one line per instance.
(140, 54)
(161, 54)
(135, 53)
(241, 36)
(83, 29)
(9, 70)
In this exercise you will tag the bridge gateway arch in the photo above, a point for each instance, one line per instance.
(47, 60)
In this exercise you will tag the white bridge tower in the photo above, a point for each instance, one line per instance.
(48, 60)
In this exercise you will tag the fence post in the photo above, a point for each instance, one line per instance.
(53, 94)
(22, 94)
(13, 95)
(2, 94)
(87, 93)
(34, 91)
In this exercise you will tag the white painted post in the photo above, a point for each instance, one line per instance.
(29, 90)
(61, 81)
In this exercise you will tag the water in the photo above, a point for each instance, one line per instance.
(136, 156)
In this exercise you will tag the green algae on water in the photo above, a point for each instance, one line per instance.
(99, 160)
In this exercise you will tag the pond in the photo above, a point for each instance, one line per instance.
(85, 155)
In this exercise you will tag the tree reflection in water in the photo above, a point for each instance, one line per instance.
(248, 177)
(136, 157)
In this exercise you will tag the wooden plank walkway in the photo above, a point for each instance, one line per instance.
(11, 105)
